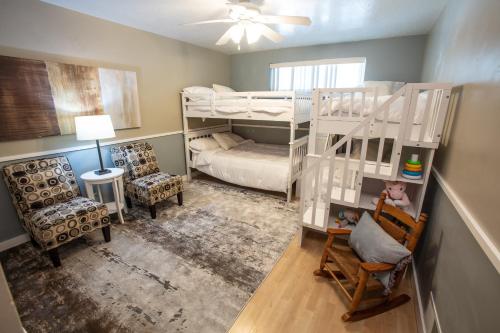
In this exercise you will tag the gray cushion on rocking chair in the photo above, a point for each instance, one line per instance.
(373, 244)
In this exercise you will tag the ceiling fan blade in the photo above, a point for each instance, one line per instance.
(226, 37)
(271, 34)
(211, 21)
(282, 19)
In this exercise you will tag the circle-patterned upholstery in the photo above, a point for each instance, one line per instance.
(144, 181)
(47, 199)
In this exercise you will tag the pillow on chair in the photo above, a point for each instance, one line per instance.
(373, 244)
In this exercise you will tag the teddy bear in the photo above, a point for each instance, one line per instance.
(396, 195)
(347, 217)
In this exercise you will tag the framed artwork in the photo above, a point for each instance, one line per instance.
(41, 98)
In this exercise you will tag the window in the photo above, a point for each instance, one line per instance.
(307, 75)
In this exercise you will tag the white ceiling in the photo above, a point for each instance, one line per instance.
(333, 21)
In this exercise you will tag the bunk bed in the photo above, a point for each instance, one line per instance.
(350, 124)
(267, 167)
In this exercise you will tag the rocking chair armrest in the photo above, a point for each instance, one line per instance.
(334, 231)
(375, 267)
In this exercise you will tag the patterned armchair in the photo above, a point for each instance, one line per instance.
(48, 201)
(144, 182)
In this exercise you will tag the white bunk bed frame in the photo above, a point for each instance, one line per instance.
(298, 111)
(318, 191)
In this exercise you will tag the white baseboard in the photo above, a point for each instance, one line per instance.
(420, 315)
(15, 241)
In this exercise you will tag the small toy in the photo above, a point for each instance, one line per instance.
(347, 217)
(413, 168)
(396, 195)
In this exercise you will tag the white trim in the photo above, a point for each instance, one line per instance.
(15, 241)
(472, 223)
(319, 62)
(83, 147)
(420, 316)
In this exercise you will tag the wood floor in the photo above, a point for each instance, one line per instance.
(291, 299)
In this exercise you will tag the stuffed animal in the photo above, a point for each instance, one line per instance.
(396, 195)
(347, 217)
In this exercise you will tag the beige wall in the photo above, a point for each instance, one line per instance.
(464, 48)
(33, 29)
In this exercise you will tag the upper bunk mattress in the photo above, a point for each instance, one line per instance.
(240, 105)
(251, 164)
(395, 111)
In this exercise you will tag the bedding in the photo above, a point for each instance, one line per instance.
(395, 111)
(225, 140)
(251, 164)
(240, 105)
(221, 89)
(201, 144)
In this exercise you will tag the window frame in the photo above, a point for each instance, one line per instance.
(332, 61)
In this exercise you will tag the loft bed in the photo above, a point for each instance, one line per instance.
(339, 110)
(267, 167)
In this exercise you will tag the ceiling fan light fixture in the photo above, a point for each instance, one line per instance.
(254, 31)
(237, 32)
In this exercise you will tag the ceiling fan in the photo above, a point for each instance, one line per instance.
(247, 18)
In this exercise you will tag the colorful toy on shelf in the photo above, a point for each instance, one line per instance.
(413, 168)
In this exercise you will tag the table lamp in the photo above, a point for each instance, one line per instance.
(95, 128)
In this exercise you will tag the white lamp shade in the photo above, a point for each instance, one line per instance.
(94, 127)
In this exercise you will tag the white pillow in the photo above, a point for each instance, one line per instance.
(225, 140)
(235, 137)
(222, 89)
(202, 144)
(198, 90)
(383, 87)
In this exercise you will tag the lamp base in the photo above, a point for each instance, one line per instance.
(102, 172)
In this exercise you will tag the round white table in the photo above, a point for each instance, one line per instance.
(116, 180)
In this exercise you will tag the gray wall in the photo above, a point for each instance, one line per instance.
(169, 150)
(393, 59)
(451, 264)
(464, 48)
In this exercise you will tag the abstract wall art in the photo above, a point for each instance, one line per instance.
(41, 98)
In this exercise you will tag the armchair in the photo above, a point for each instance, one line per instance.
(143, 180)
(49, 205)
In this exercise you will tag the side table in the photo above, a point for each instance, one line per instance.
(116, 180)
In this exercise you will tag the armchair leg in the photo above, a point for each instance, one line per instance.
(54, 257)
(106, 232)
(34, 243)
(179, 198)
(152, 210)
(128, 202)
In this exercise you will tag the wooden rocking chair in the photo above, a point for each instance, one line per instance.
(355, 277)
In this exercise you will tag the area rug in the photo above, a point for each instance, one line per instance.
(190, 270)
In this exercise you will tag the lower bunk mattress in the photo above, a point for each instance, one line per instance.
(262, 166)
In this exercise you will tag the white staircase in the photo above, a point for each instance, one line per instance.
(337, 177)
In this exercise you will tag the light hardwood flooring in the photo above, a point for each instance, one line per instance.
(291, 299)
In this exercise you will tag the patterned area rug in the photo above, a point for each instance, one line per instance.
(190, 270)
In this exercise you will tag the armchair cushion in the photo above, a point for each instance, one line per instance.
(154, 188)
(54, 225)
(40, 183)
(137, 159)
(373, 244)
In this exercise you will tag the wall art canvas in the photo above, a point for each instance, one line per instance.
(26, 105)
(40, 98)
